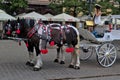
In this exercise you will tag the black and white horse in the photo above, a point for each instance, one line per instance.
(34, 35)
(68, 35)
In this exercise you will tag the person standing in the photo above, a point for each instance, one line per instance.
(97, 28)
(97, 15)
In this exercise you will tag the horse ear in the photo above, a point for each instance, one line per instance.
(18, 19)
(8, 21)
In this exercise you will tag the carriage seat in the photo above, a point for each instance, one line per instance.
(99, 31)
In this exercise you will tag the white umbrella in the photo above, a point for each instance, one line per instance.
(1, 11)
(65, 17)
(4, 16)
(48, 15)
(20, 15)
(34, 15)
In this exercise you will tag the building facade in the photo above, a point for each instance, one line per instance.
(40, 6)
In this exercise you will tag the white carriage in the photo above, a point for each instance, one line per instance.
(105, 48)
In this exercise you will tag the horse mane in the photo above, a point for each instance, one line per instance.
(25, 26)
(27, 22)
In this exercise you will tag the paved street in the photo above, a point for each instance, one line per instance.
(13, 58)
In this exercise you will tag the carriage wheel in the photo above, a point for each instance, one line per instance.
(106, 55)
(85, 53)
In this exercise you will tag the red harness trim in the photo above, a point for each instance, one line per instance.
(32, 32)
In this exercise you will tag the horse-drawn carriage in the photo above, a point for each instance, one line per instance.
(105, 47)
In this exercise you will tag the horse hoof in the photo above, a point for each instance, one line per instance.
(28, 63)
(31, 64)
(36, 69)
(62, 62)
(71, 66)
(56, 60)
(76, 67)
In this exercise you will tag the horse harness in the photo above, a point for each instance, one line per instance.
(44, 35)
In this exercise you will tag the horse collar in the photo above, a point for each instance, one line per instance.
(31, 32)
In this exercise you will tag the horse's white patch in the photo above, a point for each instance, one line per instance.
(74, 29)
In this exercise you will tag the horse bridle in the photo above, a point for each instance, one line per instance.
(8, 27)
(61, 33)
(17, 27)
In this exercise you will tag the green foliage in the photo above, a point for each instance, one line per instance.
(13, 5)
(73, 7)
(57, 8)
(76, 6)
(107, 5)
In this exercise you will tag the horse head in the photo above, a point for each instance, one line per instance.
(34, 32)
(63, 35)
(8, 28)
(56, 34)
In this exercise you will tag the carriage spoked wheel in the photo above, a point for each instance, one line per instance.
(85, 53)
(106, 55)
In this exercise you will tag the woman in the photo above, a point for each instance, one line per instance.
(97, 29)
(97, 16)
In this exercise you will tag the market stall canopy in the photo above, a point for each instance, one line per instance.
(64, 17)
(34, 15)
(20, 15)
(4, 16)
(48, 15)
(1, 11)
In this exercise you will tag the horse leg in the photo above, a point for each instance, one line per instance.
(77, 58)
(58, 55)
(77, 53)
(39, 63)
(72, 60)
(62, 55)
(30, 62)
(40, 45)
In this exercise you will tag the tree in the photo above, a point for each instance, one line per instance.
(74, 7)
(11, 6)
(56, 6)
(106, 5)
(119, 6)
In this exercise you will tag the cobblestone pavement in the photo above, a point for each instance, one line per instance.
(13, 58)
